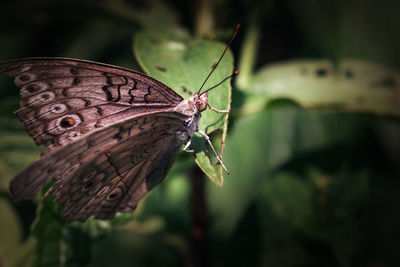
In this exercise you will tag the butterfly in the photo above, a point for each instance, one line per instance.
(112, 133)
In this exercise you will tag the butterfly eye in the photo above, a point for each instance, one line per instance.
(31, 88)
(24, 78)
(45, 96)
(58, 108)
(67, 122)
(34, 87)
(88, 185)
(116, 193)
(40, 99)
(201, 101)
(201, 105)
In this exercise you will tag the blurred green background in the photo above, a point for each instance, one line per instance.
(313, 142)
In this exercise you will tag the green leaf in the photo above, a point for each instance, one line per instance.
(183, 64)
(355, 85)
(48, 230)
(62, 244)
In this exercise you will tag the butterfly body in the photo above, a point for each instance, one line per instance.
(112, 133)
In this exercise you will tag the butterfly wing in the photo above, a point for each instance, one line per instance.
(65, 99)
(108, 171)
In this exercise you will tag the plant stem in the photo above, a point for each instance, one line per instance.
(204, 19)
(248, 56)
(199, 223)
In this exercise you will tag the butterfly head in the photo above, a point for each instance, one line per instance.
(201, 101)
(194, 105)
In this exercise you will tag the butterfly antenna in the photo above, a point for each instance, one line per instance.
(236, 72)
(219, 60)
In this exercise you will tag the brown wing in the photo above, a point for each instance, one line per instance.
(65, 99)
(107, 171)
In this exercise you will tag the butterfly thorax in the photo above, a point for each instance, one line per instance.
(192, 108)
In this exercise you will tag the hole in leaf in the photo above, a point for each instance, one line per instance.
(321, 72)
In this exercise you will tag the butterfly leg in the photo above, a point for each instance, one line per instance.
(213, 149)
(187, 146)
(217, 110)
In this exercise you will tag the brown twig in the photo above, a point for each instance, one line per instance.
(199, 223)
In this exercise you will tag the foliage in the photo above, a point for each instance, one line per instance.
(312, 145)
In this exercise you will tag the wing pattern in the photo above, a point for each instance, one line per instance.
(63, 99)
(109, 170)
